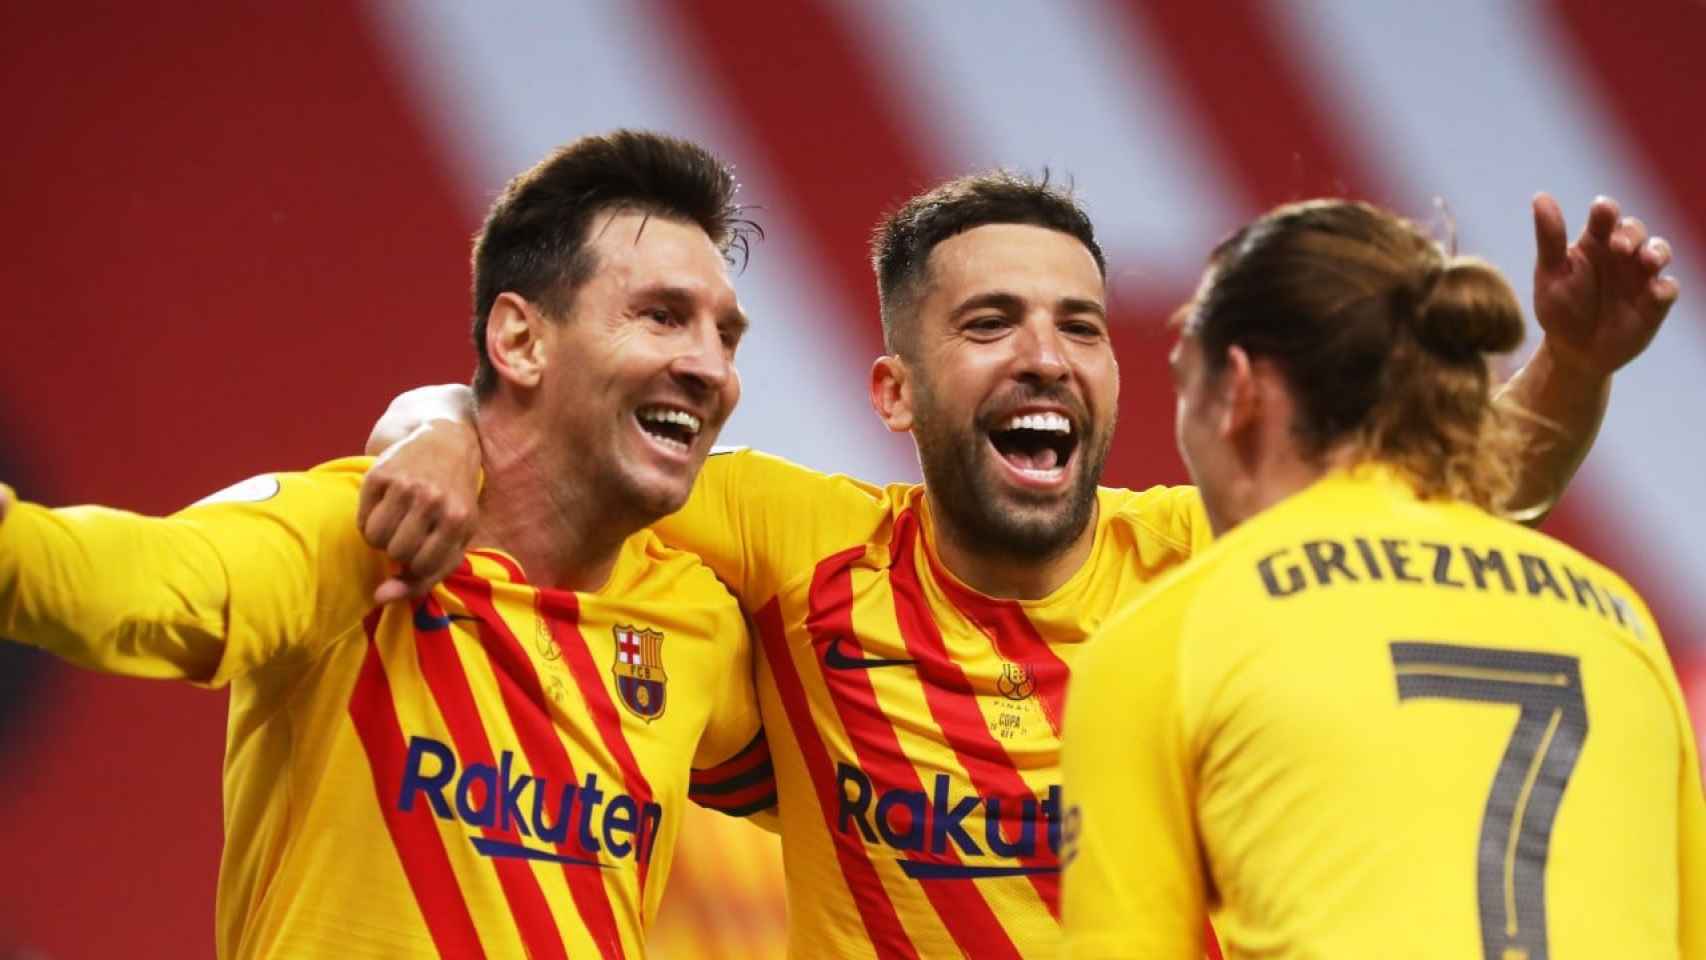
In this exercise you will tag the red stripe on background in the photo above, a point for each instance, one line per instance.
(1015, 637)
(1270, 134)
(1646, 61)
(448, 682)
(876, 910)
(529, 712)
(1647, 64)
(414, 834)
(958, 902)
(798, 83)
(561, 612)
(953, 704)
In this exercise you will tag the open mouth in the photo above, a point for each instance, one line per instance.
(1037, 445)
(671, 427)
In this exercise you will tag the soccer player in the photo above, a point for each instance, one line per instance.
(915, 642)
(498, 769)
(1375, 718)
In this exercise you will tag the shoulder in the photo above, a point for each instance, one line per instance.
(1161, 526)
(333, 480)
(761, 474)
(649, 568)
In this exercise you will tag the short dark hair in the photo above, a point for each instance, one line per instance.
(534, 240)
(903, 240)
(1382, 337)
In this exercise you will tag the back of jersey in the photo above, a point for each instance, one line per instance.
(1422, 731)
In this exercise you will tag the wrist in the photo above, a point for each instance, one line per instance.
(1566, 366)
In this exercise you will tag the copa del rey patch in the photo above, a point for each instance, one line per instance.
(639, 671)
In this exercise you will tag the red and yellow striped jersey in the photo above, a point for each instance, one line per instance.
(499, 770)
(913, 723)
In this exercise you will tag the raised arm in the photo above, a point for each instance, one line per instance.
(1600, 301)
(419, 502)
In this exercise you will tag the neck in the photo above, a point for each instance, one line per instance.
(1003, 574)
(1279, 477)
(555, 529)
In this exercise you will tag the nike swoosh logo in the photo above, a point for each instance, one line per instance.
(835, 659)
(427, 623)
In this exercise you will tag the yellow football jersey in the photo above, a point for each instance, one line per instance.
(498, 770)
(913, 724)
(1368, 725)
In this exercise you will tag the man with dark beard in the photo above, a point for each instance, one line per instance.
(916, 640)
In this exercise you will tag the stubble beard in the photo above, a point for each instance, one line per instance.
(984, 516)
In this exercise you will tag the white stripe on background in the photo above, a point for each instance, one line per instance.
(1479, 104)
(507, 82)
(1024, 85)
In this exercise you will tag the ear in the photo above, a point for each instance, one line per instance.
(891, 393)
(515, 340)
(1239, 395)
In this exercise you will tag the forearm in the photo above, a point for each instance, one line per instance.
(112, 591)
(1562, 407)
(418, 407)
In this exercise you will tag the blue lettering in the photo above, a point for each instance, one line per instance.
(1027, 843)
(485, 815)
(946, 822)
(432, 786)
(853, 808)
(557, 832)
(510, 809)
(619, 820)
(591, 796)
(910, 802)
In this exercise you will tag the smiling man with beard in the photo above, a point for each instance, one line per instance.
(915, 641)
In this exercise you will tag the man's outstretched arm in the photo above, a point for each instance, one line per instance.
(1600, 301)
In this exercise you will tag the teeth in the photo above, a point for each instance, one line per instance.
(1047, 422)
(670, 415)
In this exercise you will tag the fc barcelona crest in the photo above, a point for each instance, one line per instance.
(639, 671)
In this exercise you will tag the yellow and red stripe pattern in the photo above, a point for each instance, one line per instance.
(913, 724)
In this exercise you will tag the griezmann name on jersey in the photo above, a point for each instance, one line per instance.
(498, 770)
(1369, 725)
(913, 723)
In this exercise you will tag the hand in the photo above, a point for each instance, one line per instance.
(7, 497)
(419, 505)
(1601, 299)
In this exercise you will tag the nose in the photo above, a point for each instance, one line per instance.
(1039, 351)
(703, 363)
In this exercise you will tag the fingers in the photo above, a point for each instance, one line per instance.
(395, 588)
(379, 520)
(1655, 254)
(1628, 236)
(1549, 236)
(1602, 221)
(7, 498)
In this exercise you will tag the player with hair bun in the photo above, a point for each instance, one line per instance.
(1375, 718)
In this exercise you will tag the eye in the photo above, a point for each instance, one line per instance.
(662, 315)
(991, 323)
(1082, 329)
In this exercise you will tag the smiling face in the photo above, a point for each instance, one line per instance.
(1012, 387)
(639, 378)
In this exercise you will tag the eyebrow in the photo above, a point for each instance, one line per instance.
(682, 299)
(1013, 303)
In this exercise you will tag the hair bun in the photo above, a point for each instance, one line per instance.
(1469, 310)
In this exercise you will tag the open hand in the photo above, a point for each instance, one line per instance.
(1601, 299)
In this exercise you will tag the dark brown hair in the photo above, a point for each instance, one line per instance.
(533, 241)
(1382, 337)
(902, 241)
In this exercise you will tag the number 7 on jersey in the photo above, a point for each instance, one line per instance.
(1516, 830)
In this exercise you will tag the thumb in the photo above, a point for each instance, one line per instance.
(1550, 241)
(393, 589)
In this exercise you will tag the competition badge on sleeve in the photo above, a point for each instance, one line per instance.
(639, 671)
